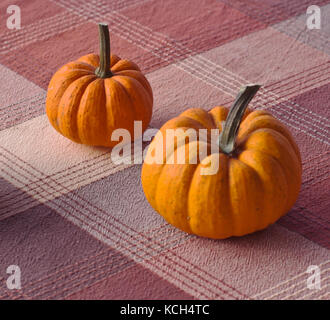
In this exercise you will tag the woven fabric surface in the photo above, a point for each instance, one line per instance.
(79, 226)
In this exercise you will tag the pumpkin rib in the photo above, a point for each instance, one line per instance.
(82, 70)
(91, 59)
(286, 157)
(274, 133)
(144, 116)
(128, 96)
(251, 167)
(92, 128)
(263, 121)
(114, 59)
(117, 115)
(69, 105)
(289, 202)
(154, 192)
(166, 192)
(254, 114)
(162, 135)
(198, 114)
(137, 75)
(188, 147)
(216, 223)
(173, 149)
(287, 207)
(245, 191)
(182, 122)
(123, 65)
(57, 86)
(184, 219)
(274, 182)
(219, 114)
(149, 178)
(229, 203)
(141, 100)
(76, 66)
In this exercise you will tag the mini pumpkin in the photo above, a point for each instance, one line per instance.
(89, 98)
(258, 178)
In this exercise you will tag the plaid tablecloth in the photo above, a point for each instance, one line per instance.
(79, 226)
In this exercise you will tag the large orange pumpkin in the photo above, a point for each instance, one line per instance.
(257, 182)
(89, 98)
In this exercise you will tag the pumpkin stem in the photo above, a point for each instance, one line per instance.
(230, 129)
(103, 71)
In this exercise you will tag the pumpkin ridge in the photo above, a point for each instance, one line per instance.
(142, 110)
(79, 86)
(114, 59)
(106, 111)
(272, 131)
(287, 184)
(141, 78)
(82, 70)
(189, 113)
(274, 122)
(230, 205)
(176, 146)
(91, 59)
(56, 89)
(189, 215)
(107, 131)
(272, 216)
(289, 167)
(194, 124)
(127, 94)
(69, 76)
(134, 80)
(117, 117)
(159, 194)
(254, 114)
(194, 167)
(187, 147)
(253, 222)
(151, 176)
(92, 135)
(76, 66)
(288, 198)
(206, 219)
(125, 65)
(218, 122)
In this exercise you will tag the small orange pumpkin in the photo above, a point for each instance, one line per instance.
(258, 179)
(89, 98)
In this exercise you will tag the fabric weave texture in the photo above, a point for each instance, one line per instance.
(79, 226)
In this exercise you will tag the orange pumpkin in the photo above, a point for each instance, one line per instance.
(258, 178)
(89, 98)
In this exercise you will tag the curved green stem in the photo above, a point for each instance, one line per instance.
(103, 71)
(229, 131)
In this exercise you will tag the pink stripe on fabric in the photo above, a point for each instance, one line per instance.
(135, 283)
